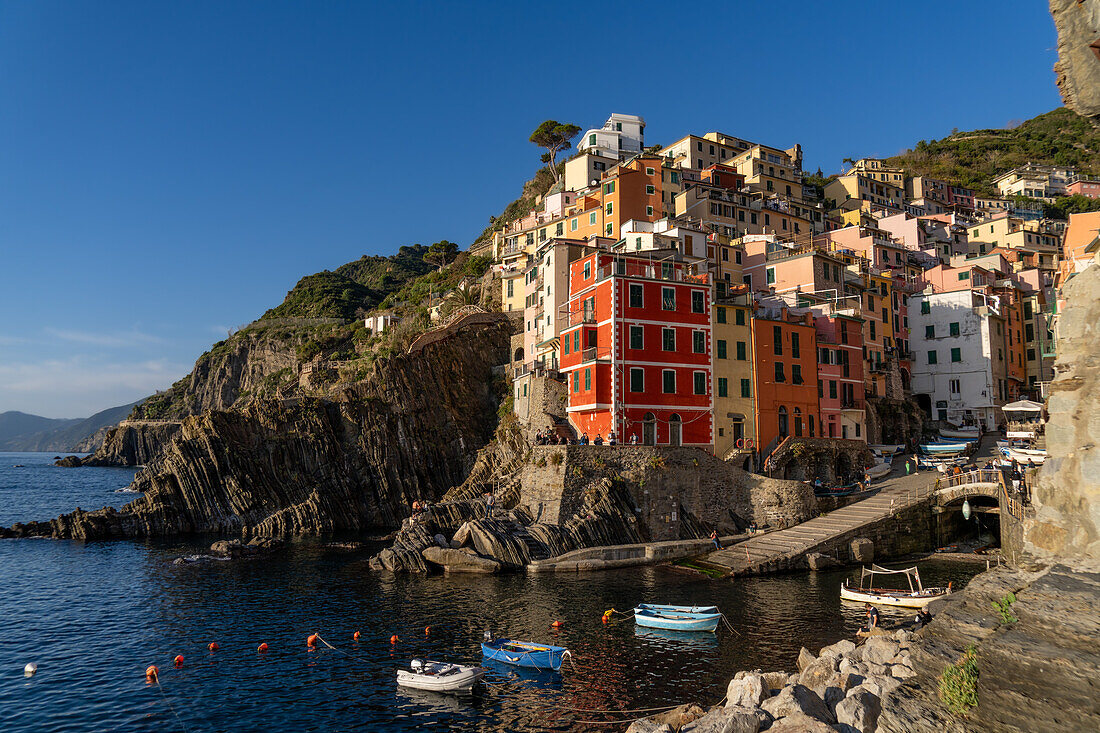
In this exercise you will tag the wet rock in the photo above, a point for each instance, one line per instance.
(862, 549)
(879, 650)
(227, 548)
(805, 658)
(749, 691)
(798, 699)
(69, 462)
(800, 723)
(457, 561)
(725, 720)
(860, 710)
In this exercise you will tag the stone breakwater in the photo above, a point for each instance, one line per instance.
(840, 689)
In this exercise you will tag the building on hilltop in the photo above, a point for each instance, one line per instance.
(1043, 182)
(620, 137)
(636, 347)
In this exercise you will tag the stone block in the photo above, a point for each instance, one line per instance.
(805, 658)
(861, 549)
(749, 691)
(879, 650)
(859, 710)
(798, 699)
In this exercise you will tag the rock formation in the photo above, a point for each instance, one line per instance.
(1078, 66)
(132, 443)
(411, 430)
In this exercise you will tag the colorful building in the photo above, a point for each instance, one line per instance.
(785, 369)
(734, 407)
(840, 376)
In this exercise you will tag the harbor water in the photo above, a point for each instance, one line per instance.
(94, 615)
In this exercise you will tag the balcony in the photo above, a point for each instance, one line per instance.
(856, 405)
(580, 317)
(651, 272)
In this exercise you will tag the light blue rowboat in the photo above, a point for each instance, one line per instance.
(677, 620)
(677, 609)
(944, 447)
(524, 653)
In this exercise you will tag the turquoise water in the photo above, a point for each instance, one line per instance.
(94, 615)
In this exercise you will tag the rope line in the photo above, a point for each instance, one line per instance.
(167, 702)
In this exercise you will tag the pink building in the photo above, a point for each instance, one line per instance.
(1084, 187)
(840, 376)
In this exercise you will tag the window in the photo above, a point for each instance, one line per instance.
(576, 381)
(637, 379)
(954, 328)
(511, 284)
(925, 307)
(794, 346)
(592, 139)
(746, 388)
(721, 349)
(697, 304)
(770, 275)
(777, 340)
(649, 171)
(1031, 354)
(635, 295)
(609, 187)
(723, 390)
(592, 218)
(932, 357)
(587, 270)
(740, 317)
(668, 299)
(587, 379)
(649, 190)
(668, 339)
(699, 380)
(668, 381)
(573, 224)
(577, 340)
(964, 275)
(698, 342)
(779, 375)
(741, 351)
(720, 314)
(609, 208)
(636, 337)
(796, 374)
(956, 355)
(832, 389)
(649, 211)
(930, 331)
(783, 430)
(955, 386)
(566, 343)
(820, 389)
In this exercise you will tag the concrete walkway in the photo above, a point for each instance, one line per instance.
(896, 492)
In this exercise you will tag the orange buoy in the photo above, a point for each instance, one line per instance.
(605, 619)
(178, 660)
(355, 636)
(151, 672)
(262, 648)
(558, 624)
(393, 639)
(427, 630)
(311, 640)
(213, 646)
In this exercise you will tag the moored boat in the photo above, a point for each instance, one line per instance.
(677, 620)
(916, 597)
(439, 676)
(887, 450)
(972, 432)
(524, 653)
(678, 609)
(879, 469)
(944, 447)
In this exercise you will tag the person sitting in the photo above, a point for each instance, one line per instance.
(922, 618)
(611, 438)
(714, 539)
(872, 617)
(598, 440)
(817, 484)
(634, 439)
(584, 439)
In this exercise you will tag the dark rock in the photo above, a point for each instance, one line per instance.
(69, 462)
(818, 561)
(457, 561)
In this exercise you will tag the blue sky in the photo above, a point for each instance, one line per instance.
(169, 170)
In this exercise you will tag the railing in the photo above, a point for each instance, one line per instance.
(651, 272)
(851, 405)
(977, 476)
(1014, 506)
(579, 317)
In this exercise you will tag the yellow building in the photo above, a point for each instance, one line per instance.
(862, 187)
(771, 170)
(731, 355)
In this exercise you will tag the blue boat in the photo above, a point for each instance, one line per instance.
(677, 620)
(524, 653)
(944, 447)
(678, 609)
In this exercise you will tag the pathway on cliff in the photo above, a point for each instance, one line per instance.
(896, 492)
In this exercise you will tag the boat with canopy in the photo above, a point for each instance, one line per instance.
(916, 597)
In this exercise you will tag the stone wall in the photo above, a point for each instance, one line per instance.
(1066, 494)
(835, 461)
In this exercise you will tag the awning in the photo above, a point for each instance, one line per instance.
(1023, 406)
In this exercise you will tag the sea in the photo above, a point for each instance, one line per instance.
(94, 615)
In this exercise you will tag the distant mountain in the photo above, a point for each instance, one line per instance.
(22, 432)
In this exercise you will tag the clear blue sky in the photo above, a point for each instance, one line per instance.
(168, 170)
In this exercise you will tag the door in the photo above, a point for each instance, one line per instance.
(675, 430)
(649, 429)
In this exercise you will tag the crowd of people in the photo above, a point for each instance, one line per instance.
(551, 437)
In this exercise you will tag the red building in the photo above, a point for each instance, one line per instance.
(785, 375)
(636, 347)
(840, 376)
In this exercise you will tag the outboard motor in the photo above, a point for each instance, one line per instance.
(417, 665)
(487, 636)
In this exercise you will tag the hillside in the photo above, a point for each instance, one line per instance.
(22, 432)
(973, 159)
(17, 428)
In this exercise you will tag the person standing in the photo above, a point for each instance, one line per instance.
(490, 500)
(906, 466)
(714, 539)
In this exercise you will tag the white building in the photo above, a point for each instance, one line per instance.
(1045, 182)
(620, 137)
(380, 322)
(959, 372)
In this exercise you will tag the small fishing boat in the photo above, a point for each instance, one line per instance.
(838, 490)
(916, 597)
(972, 432)
(940, 463)
(940, 447)
(439, 676)
(677, 620)
(678, 609)
(524, 653)
(879, 469)
(1023, 455)
(887, 450)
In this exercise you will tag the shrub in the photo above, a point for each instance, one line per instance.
(1004, 606)
(556, 458)
(959, 683)
(657, 462)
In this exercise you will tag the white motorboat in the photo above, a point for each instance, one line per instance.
(439, 676)
(969, 432)
(1024, 456)
(879, 469)
(887, 450)
(916, 597)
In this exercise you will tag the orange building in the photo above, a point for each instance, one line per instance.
(785, 375)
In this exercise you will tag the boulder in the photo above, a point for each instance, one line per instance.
(800, 723)
(832, 696)
(648, 725)
(69, 462)
(818, 561)
(879, 650)
(227, 548)
(774, 680)
(903, 636)
(861, 549)
(847, 680)
(798, 699)
(678, 717)
(820, 673)
(265, 544)
(860, 711)
(882, 670)
(840, 649)
(441, 541)
(902, 671)
(725, 720)
(749, 691)
(805, 658)
(457, 561)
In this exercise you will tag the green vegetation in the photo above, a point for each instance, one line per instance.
(1004, 607)
(1066, 205)
(959, 683)
(543, 181)
(973, 159)
(555, 137)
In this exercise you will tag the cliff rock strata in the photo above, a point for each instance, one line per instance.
(133, 443)
(409, 431)
(1078, 67)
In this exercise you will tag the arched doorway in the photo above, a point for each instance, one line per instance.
(649, 429)
(843, 468)
(811, 418)
(783, 426)
(518, 356)
(798, 422)
(675, 430)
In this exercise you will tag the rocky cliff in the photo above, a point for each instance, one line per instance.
(132, 443)
(1078, 66)
(410, 430)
